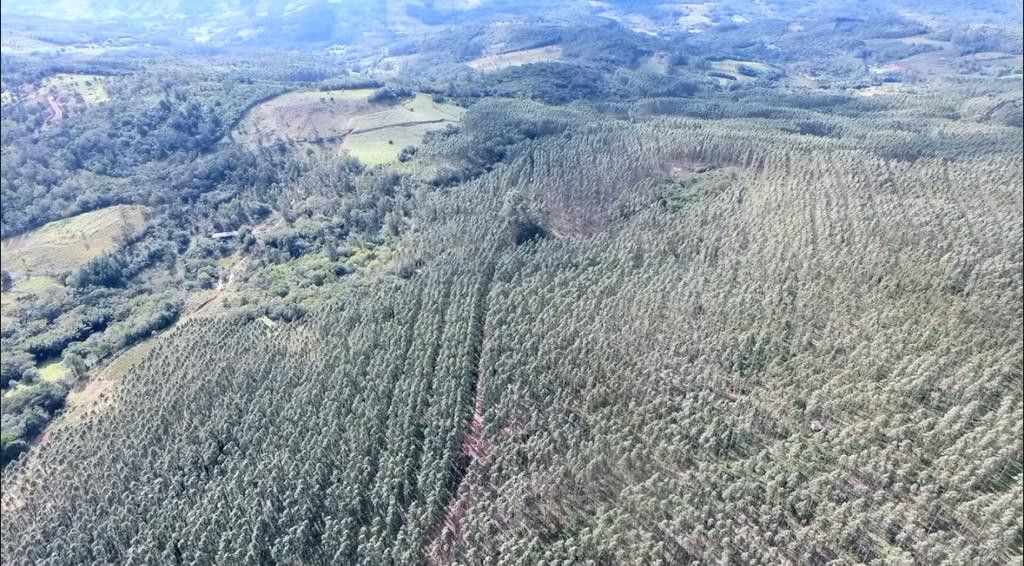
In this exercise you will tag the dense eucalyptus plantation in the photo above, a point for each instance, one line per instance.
(602, 283)
(810, 362)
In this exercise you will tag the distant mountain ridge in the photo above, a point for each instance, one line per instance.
(221, 21)
(167, 9)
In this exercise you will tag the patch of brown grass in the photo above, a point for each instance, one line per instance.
(495, 62)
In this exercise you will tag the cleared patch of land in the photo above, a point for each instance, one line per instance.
(400, 21)
(692, 17)
(98, 390)
(657, 63)
(34, 284)
(24, 289)
(52, 372)
(944, 61)
(452, 5)
(23, 44)
(924, 40)
(75, 88)
(302, 117)
(68, 244)
(418, 109)
(494, 62)
(378, 137)
(639, 23)
(62, 91)
(696, 14)
(741, 70)
(16, 43)
(346, 122)
(382, 146)
(882, 89)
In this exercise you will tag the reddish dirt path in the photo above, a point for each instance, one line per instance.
(475, 448)
(223, 284)
(56, 111)
(17, 242)
(474, 445)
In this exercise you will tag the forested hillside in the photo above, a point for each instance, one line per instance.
(657, 317)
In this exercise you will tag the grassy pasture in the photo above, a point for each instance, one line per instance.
(382, 146)
(499, 61)
(696, 14)
(70, 88)
(925, 40)
(732, 67)
(302, 116)
(882, 89)
(25, 288)
(371, 258)
(34, 284)
(52, 372)
(378, 137)
(944, 62)
(657, 63)
(68, 244)
(417, 110)
(344, 121)
(20, 44)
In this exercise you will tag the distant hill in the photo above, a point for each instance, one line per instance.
(221, 22)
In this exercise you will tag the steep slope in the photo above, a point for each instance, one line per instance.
(817, 359)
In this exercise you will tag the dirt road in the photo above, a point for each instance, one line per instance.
(56, 111)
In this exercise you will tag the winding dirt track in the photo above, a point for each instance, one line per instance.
(56, 111)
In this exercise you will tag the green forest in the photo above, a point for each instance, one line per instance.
(505, 282)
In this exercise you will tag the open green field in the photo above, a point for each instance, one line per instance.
(695, 14)
(382, 146)
(68, 244)
(16, 43)
(733, 66)
(419, 109)
(944, 62)
(516, 58)
(71, 88)
(34, 284)
(378, 137)
(21, 44)
(302, 117)
(345, 120)
(52, 372)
